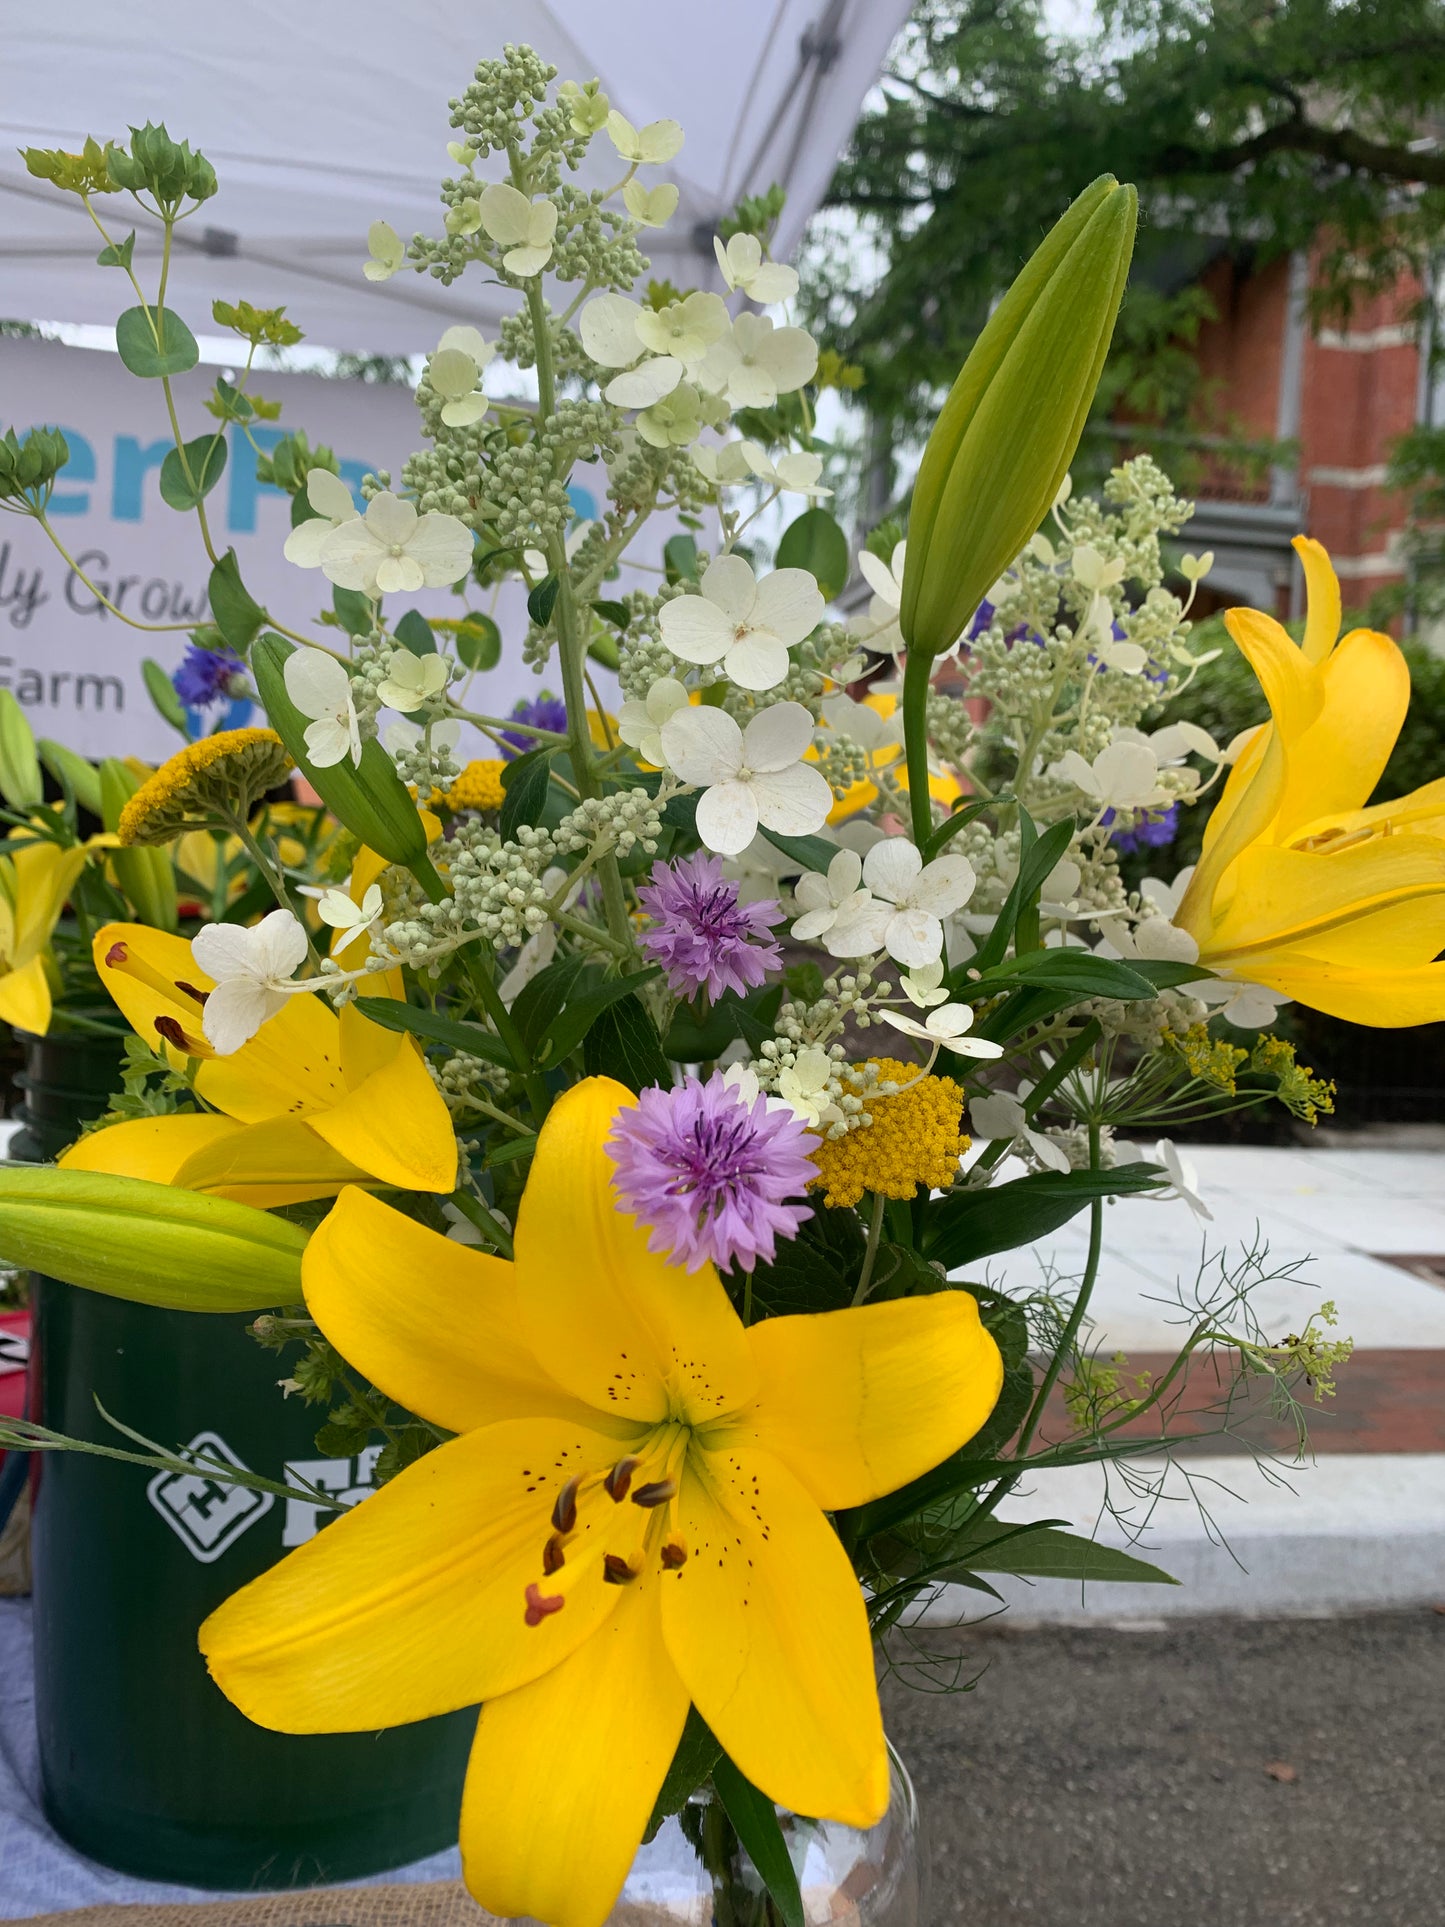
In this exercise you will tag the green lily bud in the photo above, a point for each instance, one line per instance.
(368, 799)
(68, 766)
(151, 1243)
(20, 781)
(1003, 443)
(146, 877)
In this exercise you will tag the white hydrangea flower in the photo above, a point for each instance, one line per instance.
(658, 141)
(639, 723)
(754, 362)
(685, 329)
(646, 385)
(523, 227)
(1248, 1006)
(333, 503)
(885, 579)
(749, 777)
(745, 624)
(914, 898)
(401, 737)
(249, 968)
(607, 327)
(413, 680)
(724, 465)
(1183, 1180)
(350, 920)
(804, 1086)
(387, 252)
(1001, 1115)
(795, 472)
(1172, 744)
(673, 422)
(650, 206)
(923, 987)
(826, 898)
(455, 370)
(1125, 776)
(742, 264)
(862, 724)
(392, 549)
(320, 688)
(946, 1028)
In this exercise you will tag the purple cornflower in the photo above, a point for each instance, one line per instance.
(543, 712)
(706, 1172)
(1154, 830)
(703, 935)
(205, 675)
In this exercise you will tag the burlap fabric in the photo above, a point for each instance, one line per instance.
(443, 1903)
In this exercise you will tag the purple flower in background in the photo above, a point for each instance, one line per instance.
(707, 1172)
(704, 938)
(543, 712)
(1154, 830)
(983, 615)
(205, 675)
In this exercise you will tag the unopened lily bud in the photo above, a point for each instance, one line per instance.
(146, 877)
(1000, 450)
(20, 782)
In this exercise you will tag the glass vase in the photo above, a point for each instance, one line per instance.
(694, 1873)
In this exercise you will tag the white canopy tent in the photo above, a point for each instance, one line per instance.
(321, 116)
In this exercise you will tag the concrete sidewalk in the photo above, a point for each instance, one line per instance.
(1361, 1524)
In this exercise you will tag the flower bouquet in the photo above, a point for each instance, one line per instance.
(629, 1157)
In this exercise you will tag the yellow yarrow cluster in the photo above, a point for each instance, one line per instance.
(479, 787)
(916, 1137)
(213, 783)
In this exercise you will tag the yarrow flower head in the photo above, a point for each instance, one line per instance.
(916, 1137)
(206, 785)
(708, 1172)
(204, 676)
(479, 787)
(706, 938)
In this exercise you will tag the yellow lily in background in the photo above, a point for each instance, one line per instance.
(509, 1567)
(36, 877)
(313, 1102)
(1300, 887)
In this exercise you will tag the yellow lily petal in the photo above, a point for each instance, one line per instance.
(766, 1625)
(1335, 764)
(1285, 899)
(856, 1403)
(154, 981)
(447, 1342)
(148, 1147)
(25, 999)
(1322, 598)
(45, 875)
(1421, 811)
(564, 1772)
(618, 1326)
(279, 1162)
(395, 1123)
(1385, 998)
(292, 1065)
(414, 1602)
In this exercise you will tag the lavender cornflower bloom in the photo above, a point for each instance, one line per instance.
(703, 938)
(1154, 830)
(707, 1172)
(543, 712)
(205, 675)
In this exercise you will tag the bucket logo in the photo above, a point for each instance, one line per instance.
(351, 1480)
(205, 1514)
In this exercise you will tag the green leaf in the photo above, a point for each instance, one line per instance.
(816, 1271)
(617, 613)
(901, 1273)
(436, 1029)
(623, 1043)
(813, 852)
(815, 542)
(479, 643)
(755, 1820)
(525, 781)
(1037, 857)
(353, 609)
(138, 347)
(1043, 1552)
(1007, 1324)
(697, 1039)
(581, 1013)
(1164, 975)
(539, 1002)
(162, 692)
(510, 1151)
(235, 612)
(960, 820)
(413, 632)
(117, 254)
(697, 1754)
(976, 1224)
(679, 559)
(1079, 971)
(185, 485)
(542, 601)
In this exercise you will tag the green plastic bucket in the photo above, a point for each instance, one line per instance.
(144, 1763)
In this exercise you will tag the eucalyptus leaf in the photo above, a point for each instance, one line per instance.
(155, 344)
(814, 541)
(162, 692)
(413, 632)
(185, 484)
(479, 642)
(234, 611)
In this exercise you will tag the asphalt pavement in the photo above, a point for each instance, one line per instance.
(1210, 1773)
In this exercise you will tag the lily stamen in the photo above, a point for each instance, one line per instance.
(619, 1479)
(657, 1493)
(617, 1571)
(554, 1555)
(564, 1512)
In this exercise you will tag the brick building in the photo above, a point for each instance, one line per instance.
(1341, 397)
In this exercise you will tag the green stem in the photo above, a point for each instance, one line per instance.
(917, 677)
(870, 1254)
(475, 1212)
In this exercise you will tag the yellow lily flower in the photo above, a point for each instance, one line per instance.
(1300, 887)
(631, 1519)
(313, 1102)
(36, 877)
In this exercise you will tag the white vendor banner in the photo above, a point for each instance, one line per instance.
(73, 665)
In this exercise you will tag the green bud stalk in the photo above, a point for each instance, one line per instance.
(150, 1243)
(69, 766)
(146, 877)
(20, 780)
